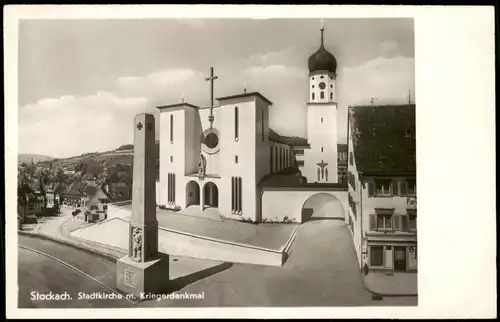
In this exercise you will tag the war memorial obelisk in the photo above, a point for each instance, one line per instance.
(144, 269)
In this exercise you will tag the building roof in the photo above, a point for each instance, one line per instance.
(176, 105)
(91, 189)
(36, 185)
(380, 138)
(245, 95)
(289, 140)
(26, 193)
(76, 188)
(52, 187)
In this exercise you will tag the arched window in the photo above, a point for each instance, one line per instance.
(331, 96)
(321, 120)
(322, 95)
(313, 96)
(171, 128)
(236, 123)
(326, 174)
(318, 173)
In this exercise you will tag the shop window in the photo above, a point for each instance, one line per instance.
(376, 256)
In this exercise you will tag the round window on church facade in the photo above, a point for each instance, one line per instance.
(211, 140)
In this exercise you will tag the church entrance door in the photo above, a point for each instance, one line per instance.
(192, 193)
(211, 195)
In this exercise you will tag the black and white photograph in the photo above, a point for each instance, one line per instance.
(217, 162)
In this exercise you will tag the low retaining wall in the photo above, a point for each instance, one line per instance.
(184, 244)
(178, 243)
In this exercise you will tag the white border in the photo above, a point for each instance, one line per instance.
(455, 155)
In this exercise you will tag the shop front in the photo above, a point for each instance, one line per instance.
(392, 254)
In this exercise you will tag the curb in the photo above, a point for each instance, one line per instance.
(67, 243)
(386, 294)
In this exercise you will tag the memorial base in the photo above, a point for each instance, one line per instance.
(147, 277)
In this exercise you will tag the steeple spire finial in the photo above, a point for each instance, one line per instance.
(322, 30)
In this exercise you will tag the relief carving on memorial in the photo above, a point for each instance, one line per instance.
(136, 244)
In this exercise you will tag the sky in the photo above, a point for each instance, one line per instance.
(82, 81)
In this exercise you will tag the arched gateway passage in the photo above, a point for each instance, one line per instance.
(211, 195)
(322, 206)
(192, 193)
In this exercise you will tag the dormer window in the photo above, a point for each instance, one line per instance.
(380, 188)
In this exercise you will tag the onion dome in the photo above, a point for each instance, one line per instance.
(322, 59)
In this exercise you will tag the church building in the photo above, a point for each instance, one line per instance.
(216, 156)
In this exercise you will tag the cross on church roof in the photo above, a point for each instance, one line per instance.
(211, 78)
(139, 126)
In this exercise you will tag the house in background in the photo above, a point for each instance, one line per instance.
(89, 178)
(37, 186)
(74, 195)
(97, 206)
(69, 170)
(53, 191)
(382, 186)
(29, 204)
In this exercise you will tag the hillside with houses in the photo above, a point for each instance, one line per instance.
(86, 182)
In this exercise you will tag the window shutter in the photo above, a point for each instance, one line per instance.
(402, 188)
(397, 222)
(371, 189)
(393, 188)
(404, 222)
(373, 222)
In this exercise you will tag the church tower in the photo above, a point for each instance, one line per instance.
(320, 160)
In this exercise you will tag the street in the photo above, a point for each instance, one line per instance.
(41, 274)
(321, 271)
